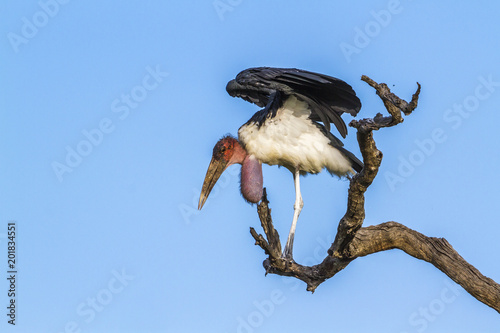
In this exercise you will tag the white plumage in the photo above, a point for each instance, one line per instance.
(291, 139)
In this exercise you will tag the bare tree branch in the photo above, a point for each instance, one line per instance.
(437, 251)
(353, 241)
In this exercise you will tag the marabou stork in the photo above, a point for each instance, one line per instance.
(286, 132)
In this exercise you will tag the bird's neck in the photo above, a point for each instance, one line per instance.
(239, 154)
(251, 179)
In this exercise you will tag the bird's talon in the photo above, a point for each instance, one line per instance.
(287, 255)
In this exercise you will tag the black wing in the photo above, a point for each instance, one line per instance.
(328, 97)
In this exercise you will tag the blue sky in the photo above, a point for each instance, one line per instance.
(109, 113)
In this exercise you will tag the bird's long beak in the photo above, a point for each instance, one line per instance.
(215, 170)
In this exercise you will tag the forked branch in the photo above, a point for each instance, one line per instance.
(353, 241)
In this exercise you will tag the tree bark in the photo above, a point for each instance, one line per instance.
(353, 241)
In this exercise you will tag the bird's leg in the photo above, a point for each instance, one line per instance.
(297, 207)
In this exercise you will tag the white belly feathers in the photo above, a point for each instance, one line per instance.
(291, 139)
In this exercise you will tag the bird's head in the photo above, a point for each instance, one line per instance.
(227, 151)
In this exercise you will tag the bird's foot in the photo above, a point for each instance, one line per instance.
(287, 253)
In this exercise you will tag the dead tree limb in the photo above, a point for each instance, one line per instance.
(353, 240)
